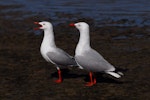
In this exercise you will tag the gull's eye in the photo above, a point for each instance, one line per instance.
(43, 24)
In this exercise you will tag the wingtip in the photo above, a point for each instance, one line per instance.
(114, 74)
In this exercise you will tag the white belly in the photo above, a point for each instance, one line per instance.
(44, 52)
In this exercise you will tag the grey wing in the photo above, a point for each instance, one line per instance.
(93, 61)
(60, 57)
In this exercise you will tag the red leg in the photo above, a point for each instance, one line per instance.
(91, 83)
(94, 81)
(59, 80)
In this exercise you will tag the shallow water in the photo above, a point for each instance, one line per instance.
(136, 12)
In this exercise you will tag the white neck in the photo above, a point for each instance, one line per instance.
(48, 39)
(84, 41)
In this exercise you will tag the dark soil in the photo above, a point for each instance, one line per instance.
(25, 75)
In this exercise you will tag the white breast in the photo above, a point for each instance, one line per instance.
(80, 49)
(44, 50)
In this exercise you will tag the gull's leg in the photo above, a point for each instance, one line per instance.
(91, 83)
(59, 80)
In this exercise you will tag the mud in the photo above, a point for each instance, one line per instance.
(25, 75)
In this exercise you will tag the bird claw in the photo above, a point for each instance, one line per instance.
(58, 81)
(89, 84)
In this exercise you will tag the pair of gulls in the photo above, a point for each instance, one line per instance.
(85, 57)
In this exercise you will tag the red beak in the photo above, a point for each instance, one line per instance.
(37, 28)
(72, 24)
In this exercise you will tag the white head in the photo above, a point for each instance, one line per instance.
(43, 25)
(81, 26)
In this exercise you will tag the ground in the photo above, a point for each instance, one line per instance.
(25, 75)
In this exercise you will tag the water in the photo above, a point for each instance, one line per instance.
(104, 12)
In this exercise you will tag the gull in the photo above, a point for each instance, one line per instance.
(50, 52)
(88, 58)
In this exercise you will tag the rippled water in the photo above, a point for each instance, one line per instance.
(135, 12)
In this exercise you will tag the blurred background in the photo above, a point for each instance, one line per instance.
(104, 12)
